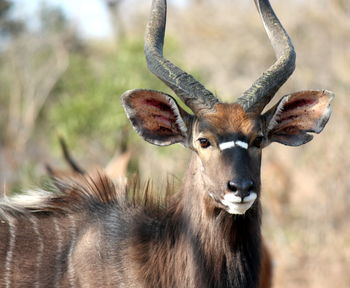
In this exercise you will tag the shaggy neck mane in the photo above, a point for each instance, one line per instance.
(82, 193)
(185, 230)
(221, 249)
(65, 196)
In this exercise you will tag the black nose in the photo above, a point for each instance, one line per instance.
(241, 188)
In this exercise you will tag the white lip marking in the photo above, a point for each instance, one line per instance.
(240, 209)
(251, 197)
(231, 144)
(232, 198)
(234, 204)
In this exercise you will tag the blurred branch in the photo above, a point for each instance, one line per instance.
(35, 79)
(342, 6)
(8, 26)
(5, 5)
(113, 7)
(198, 2)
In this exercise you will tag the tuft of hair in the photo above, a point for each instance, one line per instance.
(82, 193)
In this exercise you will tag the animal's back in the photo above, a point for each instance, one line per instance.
(65, 239)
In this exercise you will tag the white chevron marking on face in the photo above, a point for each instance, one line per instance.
(231, 144)
(227, 145)
(242, 144)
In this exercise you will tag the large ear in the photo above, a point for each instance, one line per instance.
(156, 116)
(297, 114)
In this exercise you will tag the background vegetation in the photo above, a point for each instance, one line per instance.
(53, 82)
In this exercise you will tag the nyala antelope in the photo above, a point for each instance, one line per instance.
(92, 233)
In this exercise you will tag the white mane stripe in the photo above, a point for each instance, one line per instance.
(39, 256)
(231, 144)
(71, 271)
(58, 253)
(9, 254)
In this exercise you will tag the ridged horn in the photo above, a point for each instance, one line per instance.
(185, 86)
(265, 87)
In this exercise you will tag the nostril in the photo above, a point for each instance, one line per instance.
(241, 188)
(232, 186)
(248, 185)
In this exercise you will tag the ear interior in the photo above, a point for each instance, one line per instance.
(297, 114)
(155, 116)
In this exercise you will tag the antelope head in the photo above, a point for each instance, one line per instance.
(227, 138)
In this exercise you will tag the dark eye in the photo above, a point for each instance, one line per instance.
(258, 141)
(204, 142)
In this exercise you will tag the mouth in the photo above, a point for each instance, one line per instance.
(236, 205)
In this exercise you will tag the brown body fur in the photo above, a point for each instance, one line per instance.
(87, 236)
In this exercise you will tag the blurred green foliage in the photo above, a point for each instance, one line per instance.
(87, 99)
(84, 105)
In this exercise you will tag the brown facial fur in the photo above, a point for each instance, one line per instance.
(231, 118)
